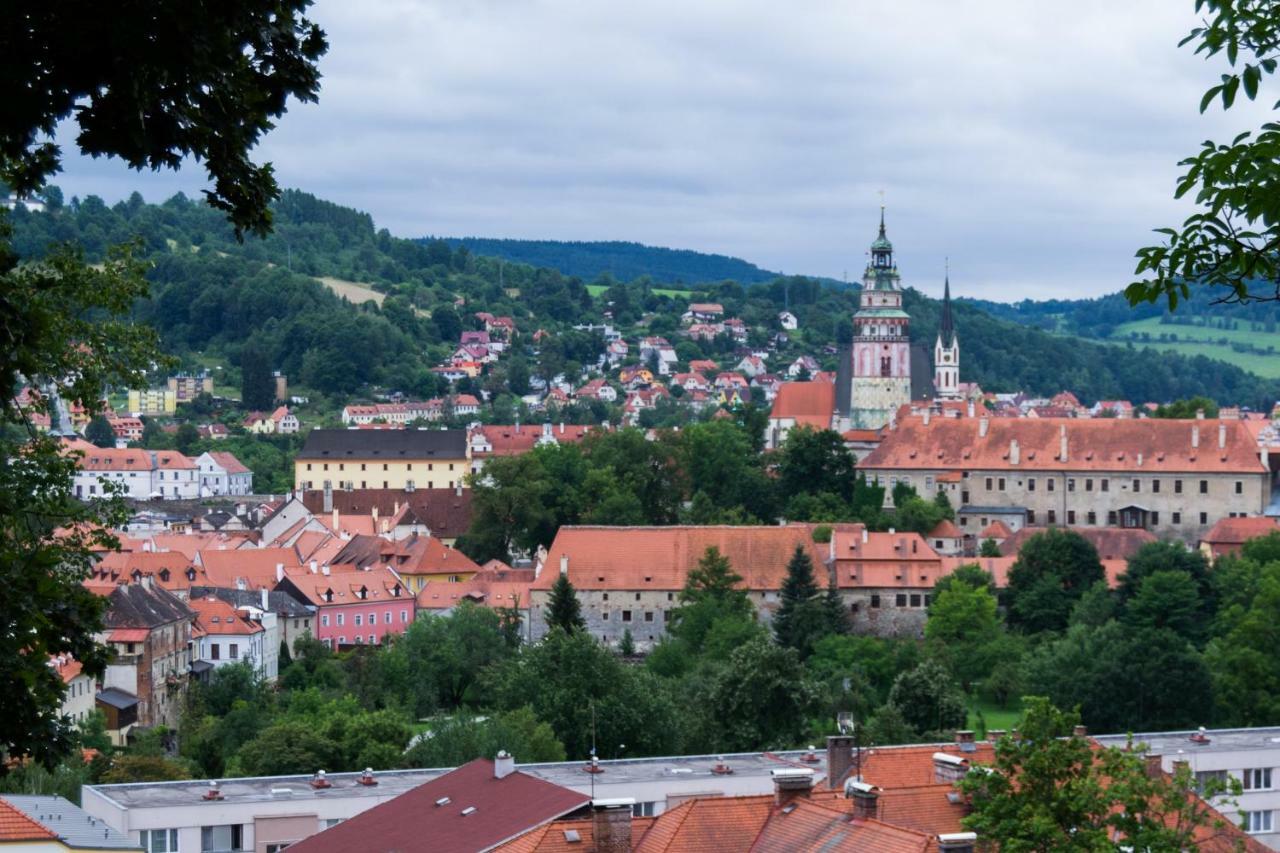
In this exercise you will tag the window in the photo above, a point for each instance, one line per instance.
(1051, 485)
(1177, 518)
(384, 466)
(901, 600)
(277, 847)
(1137, 486)
(215, 651)
(1071, 484)
(1239, 487)
(221, 837)
(1256, 821)
(373, 639)
(234, 654)
(1071, 516)
(358, 620)
(1031, 516)
(387, 620)
(1155, 487)
(1155, 519)
(1052, 516)
(1203, 777)
(964, 496)
(324, 620)
(1000, 483)
(1092, 517)
(1031, 484)
(1204, 518)
(648, 616)
(1204, 487)
(342, 641)
(1106, 485)
(1111, 517)
(626, 616)
(989, 482)
(342, 618)
(642, 809)
(915, 599)
(159, 840)
(1177, 487)
(1088, 484)
(1257, 779)
(373, 619)
(875, 601)
(637, 596)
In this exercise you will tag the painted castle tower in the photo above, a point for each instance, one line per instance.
(946, 352)
(881, 380)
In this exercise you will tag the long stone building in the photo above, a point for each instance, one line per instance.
(1176, 478)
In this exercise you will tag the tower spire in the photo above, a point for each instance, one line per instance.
(947, 328)
(882, 220)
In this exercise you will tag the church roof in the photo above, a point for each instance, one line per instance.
(947, 328)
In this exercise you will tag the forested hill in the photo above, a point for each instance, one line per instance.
(620, 260)
(393, 308)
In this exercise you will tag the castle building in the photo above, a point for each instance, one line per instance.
(946, 352)
(881, 380)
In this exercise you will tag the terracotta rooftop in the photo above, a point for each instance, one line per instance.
(1114, 543)
(996, 530)
(215, 616)
(228, 462)
(254, 567)
(945, 530)
(16, 826)
(808, 403)
(1237, 531)
(444, 512)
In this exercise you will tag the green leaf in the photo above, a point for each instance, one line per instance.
(1251, 76)
(1229, 92)
(1211, 94)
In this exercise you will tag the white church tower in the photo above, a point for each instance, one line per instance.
(881, 346)
(946, 352)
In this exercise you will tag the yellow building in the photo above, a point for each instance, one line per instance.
(153, 401)
(383, 459)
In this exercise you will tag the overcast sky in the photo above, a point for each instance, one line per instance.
(1034, 143)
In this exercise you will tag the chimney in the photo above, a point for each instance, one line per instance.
(279, 572)
(790, 783)
(1015, 454)
(865, 798)
(504, 764)
(266, 601)
(994, 735)
(948, 767)
(839, 758)
(970, 407)
(562, 427)
(611, 824)
(1062, 443)
(957, 842)
(926, 417)
(984, 423)
(865, 535)
(1195, 436)
(374, 513)
(1199, 414)
(315, 567)
(328, 496)
(964, 740)
(1153, 765)
(457, 489)
(324, 570)
(1080, 731)
(564, 564)
(1222, 435)
(335, 521)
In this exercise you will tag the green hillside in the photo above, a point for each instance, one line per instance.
(1248, 346)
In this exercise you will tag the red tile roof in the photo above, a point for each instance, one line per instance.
(1114, 543)
(1237, 531)
(661, 557)
(996, 530)
(1093, 444)
(215, 616)
(16, 826)
(522, 438)
(431, 816)
(256, 567)
(945, 530)
(809, 403)
(340, 587)
(229, 462)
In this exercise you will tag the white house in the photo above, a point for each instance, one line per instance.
(78, 701)
(142, 474)
(223, 634)
(222, 473)
(788, 321)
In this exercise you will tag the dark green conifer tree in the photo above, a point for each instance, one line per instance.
(563, 609)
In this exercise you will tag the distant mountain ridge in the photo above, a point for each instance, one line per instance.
(624, 261)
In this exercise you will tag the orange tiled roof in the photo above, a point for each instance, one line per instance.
(513, 440)
(945, 530)
(215, 616)
(1115, 543)
(229, 462)
(16, 826)
(661, 557)
(255, 566)
(1237, 531)
(168, 569)
(1093, 444)
(379, 583)
(810, 403)
(996, 530)
(441, 595)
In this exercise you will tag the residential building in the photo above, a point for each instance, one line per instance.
(149, 631)
(807, 404)
(1250, 756)
(223, 634)
(352, 607)
(788, 321)
(443, 514)
(1175, 478)
(78, 701)
(49, 824)
(1228, 536)
(417, 559)
(127, 429)
(387, 459)
(487, 441)
(292, 617)
(142, 474)
(704, 312)
(222, 473)
(152, 401)
(187, 386)
(279, 422)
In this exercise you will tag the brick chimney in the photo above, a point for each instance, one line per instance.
(948, 767)
(926, 417)
(564, 564)
(1195, 436)
(790, 783)
(864, 797)
(1062, 443)
(1015, 456)
(1222, 435)
(1080, 731)
(839, 758)
(1154, 766)
(965, 740)
(984, 423)
(611, 824)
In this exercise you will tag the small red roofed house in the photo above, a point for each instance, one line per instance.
(996, 530)
(800, 404)
(946, 538)
(1228, 536)
(356, 607)
(478, 806)
(222, 634)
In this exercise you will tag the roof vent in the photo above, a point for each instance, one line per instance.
(319, 781)
(366, 778)
(593, 766)
(281, 792)
(469, 810)
(720, 768)
(1201, 736)
(810, 756)
(213, 793)
(443, 801)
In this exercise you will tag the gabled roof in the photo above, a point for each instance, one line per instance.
(997, 529)
(1237, 531)
(216, 616)
(415, 555)
(945, 530)
(378, 585)
(661, 557)
(407, 444)
(139, 606)
(228, 462)
(465, 809)
(255, 567)
(808, 403)
(15, 825)
(445, 512)
(1117, 543)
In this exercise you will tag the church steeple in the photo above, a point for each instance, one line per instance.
(946, 352)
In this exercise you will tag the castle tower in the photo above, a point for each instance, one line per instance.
(946, 352)
(881, 348)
